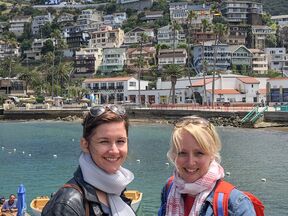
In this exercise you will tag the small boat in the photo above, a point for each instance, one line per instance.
(38, 203)
(136, 198)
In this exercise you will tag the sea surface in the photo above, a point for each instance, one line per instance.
(43, 156)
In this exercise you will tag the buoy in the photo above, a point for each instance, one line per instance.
(23, 152)
(263, 179)
(228, 173)
(73, 140)
(167, 164)
(14, 149)
(55, 156)
(138, 160)
(29, 155)
(3, 148)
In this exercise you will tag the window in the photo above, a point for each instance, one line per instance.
(132, 84)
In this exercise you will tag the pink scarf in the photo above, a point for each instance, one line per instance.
(200, 188)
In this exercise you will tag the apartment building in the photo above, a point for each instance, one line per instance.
(113, 60)
(115, 20)
(170, 56)
(17, 24)
(134, 36)
(259, 35)
(107, 37)
(165, 35)
(259, 61)
(35, 52)
(8, 50)
(39, 21)
(277, 59)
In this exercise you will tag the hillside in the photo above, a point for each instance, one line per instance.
(276, 7)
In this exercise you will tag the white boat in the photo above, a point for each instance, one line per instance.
(38, 203)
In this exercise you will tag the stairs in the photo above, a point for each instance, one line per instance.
(254, 114)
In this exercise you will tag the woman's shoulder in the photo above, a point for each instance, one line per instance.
(67, 200)
(239, 202)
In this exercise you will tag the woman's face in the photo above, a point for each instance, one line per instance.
(192, 162)
(108, 146)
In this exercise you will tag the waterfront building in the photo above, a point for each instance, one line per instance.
(12, 86)
(114, 89)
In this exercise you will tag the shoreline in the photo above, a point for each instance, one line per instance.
(272, 126)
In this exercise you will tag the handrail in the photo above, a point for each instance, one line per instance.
(250, 114)
(258, 115)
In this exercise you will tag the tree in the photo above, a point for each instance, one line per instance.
(205, 27)
(173, 71)
(175, 27)
(219, 30)
(140, 62)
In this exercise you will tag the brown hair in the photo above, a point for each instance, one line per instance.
(90, 123)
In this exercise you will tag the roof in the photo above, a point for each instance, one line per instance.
(146, 49)
(248, 80)
(262, 91)
(226, 91)
(200, 82)
(109, 79)
(279, 78)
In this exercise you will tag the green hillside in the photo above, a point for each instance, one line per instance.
(276, 7)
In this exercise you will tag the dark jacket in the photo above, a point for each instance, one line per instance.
(70, 201)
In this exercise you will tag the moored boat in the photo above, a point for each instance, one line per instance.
(38, 203)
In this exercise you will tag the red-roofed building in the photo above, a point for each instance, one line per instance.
(114, 89)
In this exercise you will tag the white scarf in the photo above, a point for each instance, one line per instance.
(112, 184)
(200, 189)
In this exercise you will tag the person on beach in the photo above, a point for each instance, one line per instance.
(10, 205)
(100, 180)
(194, 150)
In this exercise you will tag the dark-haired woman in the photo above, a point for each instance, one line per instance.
(100, 180)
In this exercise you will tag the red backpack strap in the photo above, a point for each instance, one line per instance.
(169, 182)
(221, 198)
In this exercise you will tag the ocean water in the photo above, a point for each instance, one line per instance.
(43, 156)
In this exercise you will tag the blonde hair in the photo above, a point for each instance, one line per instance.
(202, 130)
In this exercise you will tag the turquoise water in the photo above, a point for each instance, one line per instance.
(248, 154)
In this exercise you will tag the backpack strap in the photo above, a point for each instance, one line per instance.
(221, 198)
(169, 185)
(76, 187)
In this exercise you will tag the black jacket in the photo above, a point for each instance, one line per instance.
(70, 201)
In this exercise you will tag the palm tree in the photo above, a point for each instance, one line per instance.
(191, 16)
(205, 27)
(140, 62)
(219, 30)
(175, 27)
(173, 71)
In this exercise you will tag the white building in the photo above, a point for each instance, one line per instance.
(165, 35)
(170, 56)
(114, 89)
(113, 60)
(18, 23)
(259, 61)
(277, 59)
(39, 21)
(134, 36)
(281, 20)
